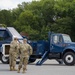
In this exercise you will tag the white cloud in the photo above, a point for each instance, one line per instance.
(9, 4)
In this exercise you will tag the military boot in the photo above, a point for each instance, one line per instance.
(14, 69)
(11, 68)
(18, 70)
(24, 70)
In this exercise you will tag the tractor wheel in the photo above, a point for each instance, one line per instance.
(4, 59)
(69, 58)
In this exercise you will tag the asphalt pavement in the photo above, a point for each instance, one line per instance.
(50, 67)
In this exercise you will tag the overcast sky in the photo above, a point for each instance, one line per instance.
(10, 4)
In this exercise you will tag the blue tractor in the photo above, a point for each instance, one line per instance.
(58, 46)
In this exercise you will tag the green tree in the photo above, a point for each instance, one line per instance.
(39, 17)
(5, 17)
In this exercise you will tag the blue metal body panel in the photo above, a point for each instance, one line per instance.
(4, 37)
(7, 35)
(39, 47)
(70, 46)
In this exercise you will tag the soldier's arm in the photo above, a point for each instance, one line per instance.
(18, 48)
(30, 50)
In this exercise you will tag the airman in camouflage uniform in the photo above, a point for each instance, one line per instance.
(26, 51)
(13, 52)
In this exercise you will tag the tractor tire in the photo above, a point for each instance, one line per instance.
(4, 60)
(69, 58)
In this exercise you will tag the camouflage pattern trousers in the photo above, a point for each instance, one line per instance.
(12, 59)
(23, 63)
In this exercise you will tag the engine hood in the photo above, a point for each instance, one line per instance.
(70, 45)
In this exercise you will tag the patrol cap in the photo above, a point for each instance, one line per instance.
(15, 38)
(25, 39)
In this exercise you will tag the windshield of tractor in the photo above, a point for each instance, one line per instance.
(66, 38)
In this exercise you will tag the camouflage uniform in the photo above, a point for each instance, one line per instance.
(13, 52)
(25, 50)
